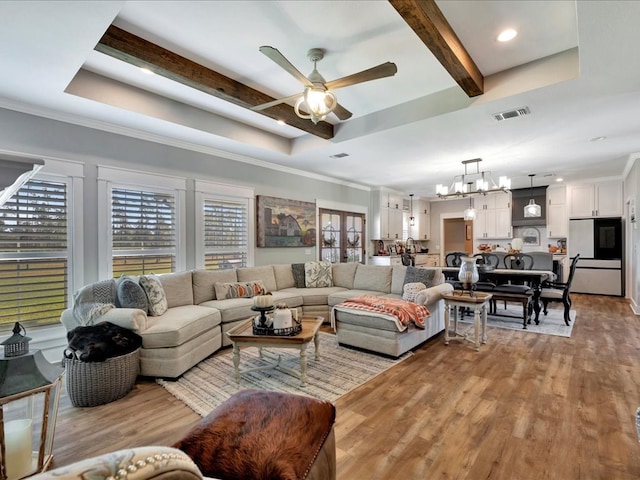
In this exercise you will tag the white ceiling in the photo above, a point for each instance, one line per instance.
(573, 64)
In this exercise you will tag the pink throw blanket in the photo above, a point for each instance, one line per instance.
(405, 311)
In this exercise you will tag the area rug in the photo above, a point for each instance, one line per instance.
(551, 324)
(338, 371)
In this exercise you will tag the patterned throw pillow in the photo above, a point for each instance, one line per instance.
(318, 274)
(131, 295)
(155, 294)
(298, 275)
(411, 289)
(239, 289)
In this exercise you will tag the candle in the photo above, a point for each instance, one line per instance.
(17, 435)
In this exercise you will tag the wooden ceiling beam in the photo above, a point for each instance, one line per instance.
(129, 48)
(426, 19)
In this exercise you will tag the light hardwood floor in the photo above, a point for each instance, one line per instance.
(526, 406)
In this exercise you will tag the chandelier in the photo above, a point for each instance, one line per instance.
(474, 183)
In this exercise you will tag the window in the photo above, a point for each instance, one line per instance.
(143, 214)
(223, 231)
(34, 261)
(143, 232)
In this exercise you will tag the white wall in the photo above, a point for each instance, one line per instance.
(31, 135)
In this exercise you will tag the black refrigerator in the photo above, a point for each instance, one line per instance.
(600, 269)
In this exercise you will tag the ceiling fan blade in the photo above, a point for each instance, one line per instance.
(342, 113)
(275, 55)
(264, 106)
(387, 69)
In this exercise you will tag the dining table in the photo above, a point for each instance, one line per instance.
(505, 276)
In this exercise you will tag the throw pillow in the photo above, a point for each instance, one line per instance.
(131, 295)
(318, 274)
(422, 275)
(239, 289)
(298, 274)
(155, 294)
(411, 289)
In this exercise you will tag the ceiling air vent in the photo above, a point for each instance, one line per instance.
(518, 112)
(339, 155)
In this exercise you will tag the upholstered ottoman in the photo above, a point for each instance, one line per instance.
(263, 435)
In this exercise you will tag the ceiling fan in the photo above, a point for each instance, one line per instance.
(318, 98)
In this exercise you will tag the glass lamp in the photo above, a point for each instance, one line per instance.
(29, 396)
(468, 274)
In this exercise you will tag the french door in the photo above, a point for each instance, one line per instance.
(341, 236)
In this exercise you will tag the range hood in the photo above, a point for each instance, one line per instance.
(519, 198)
(15, 172)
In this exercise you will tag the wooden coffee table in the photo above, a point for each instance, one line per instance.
(242, 336)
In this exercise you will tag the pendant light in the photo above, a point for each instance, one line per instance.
(412, 219)
(470, 213)
(532, 210)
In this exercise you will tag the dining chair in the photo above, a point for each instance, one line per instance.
(518, 261)
(559, 292)
(488, 259)
(454, 259)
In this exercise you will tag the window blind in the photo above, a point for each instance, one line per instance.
(143, 231)
(33, 254)
(226, 233)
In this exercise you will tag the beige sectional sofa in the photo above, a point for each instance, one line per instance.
(195, 324)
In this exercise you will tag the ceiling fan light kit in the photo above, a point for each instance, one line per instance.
(318, 100)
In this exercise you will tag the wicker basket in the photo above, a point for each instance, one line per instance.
(95, 383)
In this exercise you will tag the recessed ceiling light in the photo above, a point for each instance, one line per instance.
(597, 139)
(506, 35)
(559, 179)
(339, 155)
(146, 70)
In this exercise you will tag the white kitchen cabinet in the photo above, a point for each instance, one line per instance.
(386, 214)
(423, 219)
(493, 216)
(395, 224)
(600, 199)
(557, 222)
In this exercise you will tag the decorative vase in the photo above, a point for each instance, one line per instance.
(468, 274)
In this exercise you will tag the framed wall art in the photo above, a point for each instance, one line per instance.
(530, 236)
(285, 223)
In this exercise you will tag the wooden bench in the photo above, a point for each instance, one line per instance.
(513, 293)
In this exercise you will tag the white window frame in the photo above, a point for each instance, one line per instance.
(111, 177)
(72, 174)
(210, 190)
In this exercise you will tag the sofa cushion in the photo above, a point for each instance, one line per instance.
(397, 279)
(373, 277)
(265, 274)
(284, 276)
(131, 295)
(178, 288)
(204, 280)
(179, 325)
(239, 289)
(428, 276)
(314, 296)
(336, 298)
(343, 274)
(297, 270)
(155, 294)
(318, 274)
